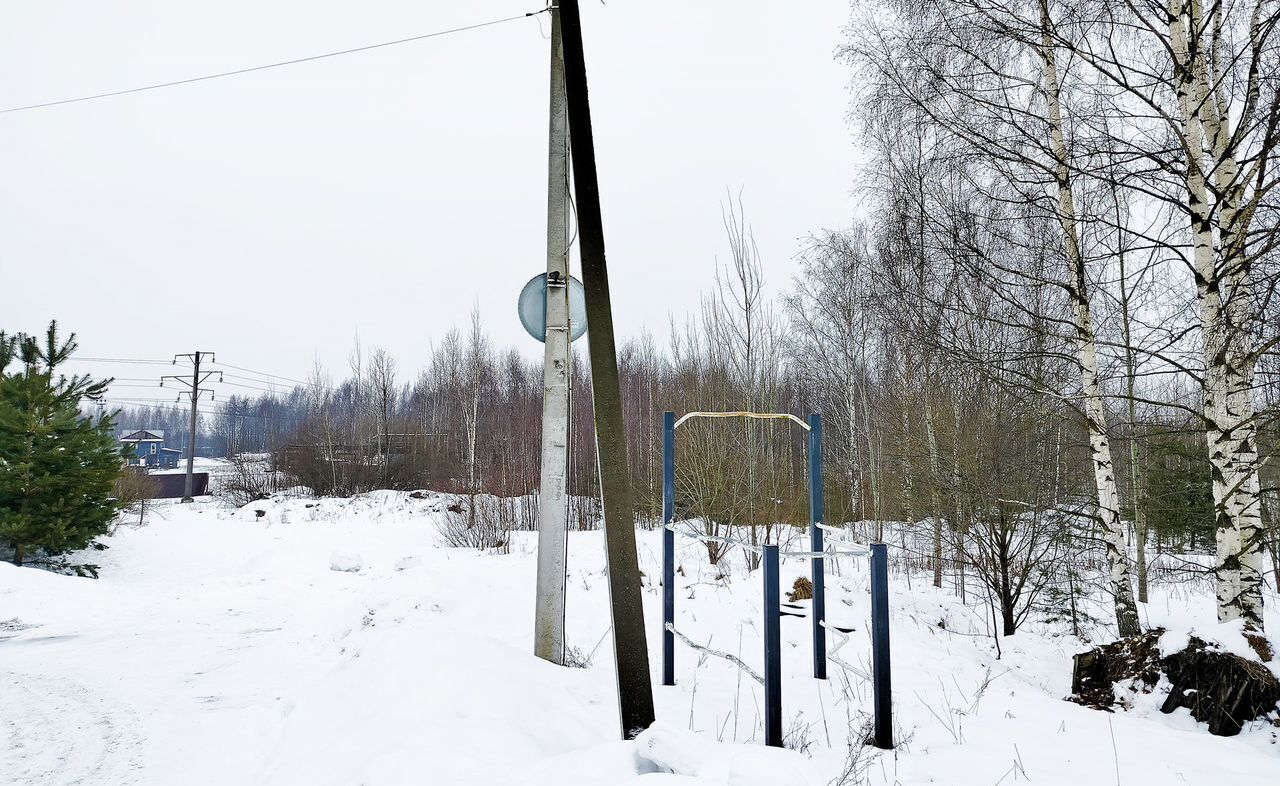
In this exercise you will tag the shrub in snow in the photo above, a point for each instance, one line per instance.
(344, 561)
(251, 478)
(479, 521)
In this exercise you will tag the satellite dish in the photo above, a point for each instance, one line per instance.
(533, 308)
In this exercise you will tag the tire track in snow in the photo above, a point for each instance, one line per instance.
(58, 732)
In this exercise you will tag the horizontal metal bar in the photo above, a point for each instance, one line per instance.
(835, 549)
(756, 415)
(731, 658)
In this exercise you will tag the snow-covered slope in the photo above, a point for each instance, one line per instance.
(336, 642)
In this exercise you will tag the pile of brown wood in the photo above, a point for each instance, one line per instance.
(1220, 688)
(801, 590)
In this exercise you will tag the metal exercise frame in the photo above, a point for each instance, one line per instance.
(771, 680)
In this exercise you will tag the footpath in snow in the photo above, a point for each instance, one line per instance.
(336, 642)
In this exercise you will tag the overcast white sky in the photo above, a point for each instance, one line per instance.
(273, 216)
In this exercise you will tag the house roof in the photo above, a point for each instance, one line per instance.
(143, 435)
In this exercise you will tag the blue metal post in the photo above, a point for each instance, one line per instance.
(816, 512)
(668, 547)
(883, 700)
(772, 649)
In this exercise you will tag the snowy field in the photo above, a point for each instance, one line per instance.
(336, 642)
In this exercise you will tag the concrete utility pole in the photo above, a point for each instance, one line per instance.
(631, 653)
(553, 499)
(193, 390)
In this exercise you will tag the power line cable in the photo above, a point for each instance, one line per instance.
(261, 374)
(173, 408)
(120, 360)
(259, 380)
(278, 391)
(251, 69)
(271, 379)
(121, 399)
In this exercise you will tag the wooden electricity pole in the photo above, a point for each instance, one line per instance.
(553, 499)
(193, 390)
(631, 652)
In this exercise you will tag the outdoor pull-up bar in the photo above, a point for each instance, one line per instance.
(883, 730)
(814, 427)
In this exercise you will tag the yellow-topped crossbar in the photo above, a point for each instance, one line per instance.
(757, 415)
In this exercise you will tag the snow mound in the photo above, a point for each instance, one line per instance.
(408, 561)
(346, 561)
(666, 754)
(682, 753)
(1226, 637)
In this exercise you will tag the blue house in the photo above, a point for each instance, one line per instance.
(149, 450)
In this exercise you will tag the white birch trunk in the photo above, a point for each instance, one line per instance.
(1223, 294)
(935, 473)
(1240, 405)
(1086, 346)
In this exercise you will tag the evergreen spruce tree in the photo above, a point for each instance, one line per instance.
(58, 468)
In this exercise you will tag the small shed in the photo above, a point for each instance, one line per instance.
(148, 449)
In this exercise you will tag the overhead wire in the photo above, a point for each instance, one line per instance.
(260, 373)
(120, 360)
(266, 66)
(268, 380)
(260, 378)
(169, 405)
(251, 387)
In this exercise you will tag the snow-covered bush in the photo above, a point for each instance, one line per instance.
(479, 521)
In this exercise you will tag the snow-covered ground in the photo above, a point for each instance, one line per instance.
(336, 642)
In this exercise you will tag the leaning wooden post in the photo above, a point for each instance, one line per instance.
(631, 652)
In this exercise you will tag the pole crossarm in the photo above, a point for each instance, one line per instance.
(195, 357)
(200, 394)
(184, 381)
(754, 415)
